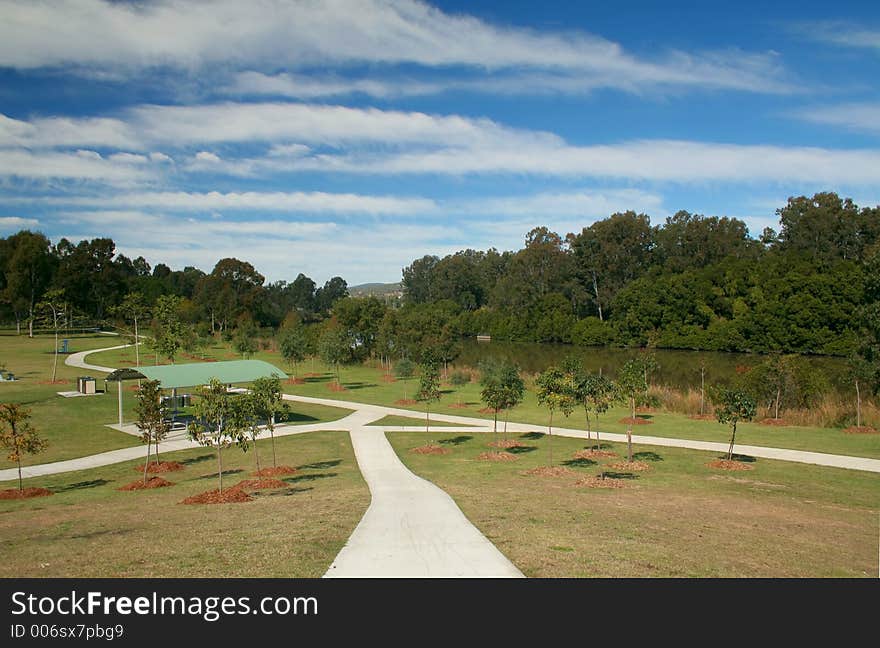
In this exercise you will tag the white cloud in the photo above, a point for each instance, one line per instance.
(82, 165)
(65, 132)
(15, 223)
(840, 32)
(273, 34)
(307, 202)
(864, 117)
(206, 156)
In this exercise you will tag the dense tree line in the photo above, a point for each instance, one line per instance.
(98, 286)
(693, 282)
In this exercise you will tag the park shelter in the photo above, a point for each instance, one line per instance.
(176, 376)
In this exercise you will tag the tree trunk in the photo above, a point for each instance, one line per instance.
(427, 415)
(17, 324)
(495, 426)
(506, 416)
(220, 464)
(272, 434)
(587, 417)
(55, 357)
(596, 292)
(19, 472)
(31, 322)
(256, 453)
(629, 442)
(632, 402)
(550, 434)
(776, 405)
(858, 406)
(137, 355)
(147, 462)
(732, 439)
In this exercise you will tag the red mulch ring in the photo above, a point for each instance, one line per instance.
(551, 471)
(260, 484)
(773, 421)
(593, 454)
(54, 382)
(276, 470)
(295, 381)
(702, 417)
(405, 401)
(496, 456)
(229, 496)
(312, 375)
(630, 466)
(599, 482)
(152, 482)
(388, 378)
(161, 467)
(459, 406)
(431, 449)
(14, 493)
(506, 444)
(724, 464)
(336, 387)
(486, 410)
(865, 429)
(635, 421)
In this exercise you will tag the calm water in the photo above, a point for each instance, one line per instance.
(677, 368)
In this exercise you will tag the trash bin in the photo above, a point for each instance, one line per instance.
(64, 348)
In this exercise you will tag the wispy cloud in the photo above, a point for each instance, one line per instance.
(842, 33)
(292, 34)
(864, 117)
(14, 223)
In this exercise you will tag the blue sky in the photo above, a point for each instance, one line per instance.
(351, 136)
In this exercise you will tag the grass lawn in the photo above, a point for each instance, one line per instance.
(365, 384)
(90, 529)
(76, 427)
(677, 519)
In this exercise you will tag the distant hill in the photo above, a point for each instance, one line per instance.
(377, 289)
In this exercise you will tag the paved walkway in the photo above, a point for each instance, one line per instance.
(412, 528)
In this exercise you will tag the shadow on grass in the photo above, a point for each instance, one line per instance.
(579, 463)
(646, 456)
(646, 417)
(321, 465)
(739, 457)
(521, 449)
(455, 440)
(308, 478)
(532, 435)
(601, 446)
(213, 475)
(81, 485)
(199, 459)
(295, 417)
(608, 474)
(287, 492)
(359, 385)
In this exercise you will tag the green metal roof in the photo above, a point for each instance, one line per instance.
(201, 373)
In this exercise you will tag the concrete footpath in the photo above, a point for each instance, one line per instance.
(412, 528)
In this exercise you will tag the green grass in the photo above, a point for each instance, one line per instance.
(406, 420)
(365, 384)
(76, 427)
(90, 529)
(678, 519)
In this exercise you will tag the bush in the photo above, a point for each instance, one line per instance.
(591, 331)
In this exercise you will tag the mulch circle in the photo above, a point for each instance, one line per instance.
(405, 401)
(773, 421)
(152, 482)
(14, 493)
(551, 471)
(593, 454)
(486, 410)
(459, 406)
(630, 466)
(229, 496)
(702, 417)
(510, 443)
(388, 378)
(496, 456)
(865, 429)
(312, 375)
(334, 387)
(160, 467)
(275, 470)
(598, 482)
(431, 449)
(635, 421)
(260, 484)
(724, 464)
